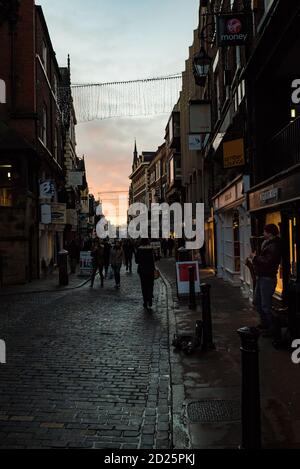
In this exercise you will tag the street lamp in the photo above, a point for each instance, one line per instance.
(201, 66)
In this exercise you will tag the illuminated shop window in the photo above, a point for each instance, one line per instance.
(275, 218)
(2, 92)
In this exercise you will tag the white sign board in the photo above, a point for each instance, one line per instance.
(75, 178)
(46, 214)
(86, 263)
(47, 189)
(195, 142)
(200, 117)
(182, 275)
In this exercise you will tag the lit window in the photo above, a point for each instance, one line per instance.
(2, 92)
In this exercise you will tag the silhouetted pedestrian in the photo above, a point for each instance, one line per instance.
(146, 269)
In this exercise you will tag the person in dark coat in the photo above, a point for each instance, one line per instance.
(73, 255)
(164, 247)
(266, 267)
(128, 249)
(171, 244)
(146, 267)
(98, 262)
(107, 250)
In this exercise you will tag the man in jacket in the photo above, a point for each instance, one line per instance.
(266, 267)
(146, 267)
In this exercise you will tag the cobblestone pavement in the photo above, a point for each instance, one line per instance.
(85, 368)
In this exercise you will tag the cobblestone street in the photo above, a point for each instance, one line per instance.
(85, 368)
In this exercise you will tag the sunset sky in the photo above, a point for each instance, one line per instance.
(116, 40)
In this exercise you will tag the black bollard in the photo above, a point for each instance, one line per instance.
(192, 302)
(208, 343)
(251, 418)
(63, 268)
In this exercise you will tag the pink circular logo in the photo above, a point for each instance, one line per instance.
(234, 26)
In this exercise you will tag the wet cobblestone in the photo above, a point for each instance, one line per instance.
(85, 368)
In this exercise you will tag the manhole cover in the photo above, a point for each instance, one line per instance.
(214, 411)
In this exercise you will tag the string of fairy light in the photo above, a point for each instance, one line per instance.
(145, 97)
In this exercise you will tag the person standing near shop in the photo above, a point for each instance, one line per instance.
(116, 261)
(266, 266)
(146, 270)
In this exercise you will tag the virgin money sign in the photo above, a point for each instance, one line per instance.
(233, 30)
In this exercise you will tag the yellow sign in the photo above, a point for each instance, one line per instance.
(234, 154)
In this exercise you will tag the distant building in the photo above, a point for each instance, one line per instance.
(139, 191)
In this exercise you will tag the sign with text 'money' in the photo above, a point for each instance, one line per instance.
(233, 30)
(234, 153)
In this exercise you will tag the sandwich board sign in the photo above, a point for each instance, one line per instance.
(182, 276)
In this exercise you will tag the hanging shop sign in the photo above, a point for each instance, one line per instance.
(200, 117)
(76, 178)
(72, 217)
(182, 272)
(234, 153)
(233, 30)
(47, 189)
(59, 214)
(46, 215)
(195, 142)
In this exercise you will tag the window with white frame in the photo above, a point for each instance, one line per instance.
(158, 171)
(55, 86)
(55, 153)
(43, 133)
(2, 92)
(44, 55)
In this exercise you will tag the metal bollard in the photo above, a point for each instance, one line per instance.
(251, 418)
(63, 268)
(208, 343)
(192, 303)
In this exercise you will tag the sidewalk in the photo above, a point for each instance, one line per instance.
(201, 379)
(44, 285)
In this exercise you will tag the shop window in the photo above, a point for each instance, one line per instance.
(2, 92)
(293, 248)
(6, 194)
(275, 218)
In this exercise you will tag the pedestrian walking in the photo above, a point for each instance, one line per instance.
(116, 261)
(107, 251)
(203, 256)
(266, 266)
(164, 247)
(146, 270)
(128, 249)
(98, 262)
(73, 255)
(171, 244)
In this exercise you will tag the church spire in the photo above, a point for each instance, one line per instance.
(135, 154)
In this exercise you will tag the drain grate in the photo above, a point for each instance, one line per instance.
(214, 411)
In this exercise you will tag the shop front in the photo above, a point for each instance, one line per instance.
(233, 231)
(278, 201)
